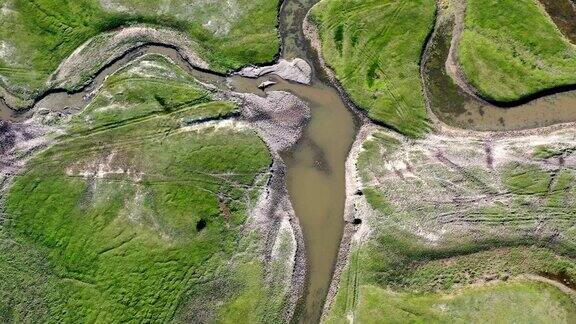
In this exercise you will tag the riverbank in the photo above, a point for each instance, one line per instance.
(462, 227)
(356, 236)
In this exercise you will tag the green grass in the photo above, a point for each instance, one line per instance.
(426, 296)
(104, 225)
(148, 86)
(402, 261)
(393, 279)
(37, 35)
(525, 179)
(374, 48)
(511, 49)
(515, 302)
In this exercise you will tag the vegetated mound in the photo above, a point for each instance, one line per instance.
(512, 49)
(139, 213)
(493, 303)
(444, 213)
(36, 35)
(374, 48)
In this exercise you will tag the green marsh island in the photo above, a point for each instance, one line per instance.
(295, 161)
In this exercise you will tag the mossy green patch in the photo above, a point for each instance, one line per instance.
(374, 47)
(511, 49)
(544, 152)
(522, 301)
(450, 213)
(525, 179)
(147, 87)
(104, 226)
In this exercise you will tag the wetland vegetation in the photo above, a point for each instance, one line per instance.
(512, 49)
(453, 224)
(374, 48)
(164, 195)
(136, 214)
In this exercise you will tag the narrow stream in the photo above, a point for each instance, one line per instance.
(453, 106)
(316, 165)
(315, 172)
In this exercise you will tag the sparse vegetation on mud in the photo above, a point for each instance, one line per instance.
(512, 49)
(141, 216)
(374, 48)
(36, 36)
(447, 215)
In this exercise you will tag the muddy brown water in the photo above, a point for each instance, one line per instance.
(563, 13)
(316, 165)
(315, 172)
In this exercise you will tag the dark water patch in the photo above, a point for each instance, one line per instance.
(447, 100)
(561, 277)
(200, 225)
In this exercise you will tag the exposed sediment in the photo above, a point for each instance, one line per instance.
(460, 111)
(280, 117)
(20, 141)
(311, 33)
(296, 70)
(452, 63)
(455, 70)
(91, 59)
(272, 211)
(103, 49)
(356, 204)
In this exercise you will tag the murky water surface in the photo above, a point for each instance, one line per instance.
(316, 174)
(316, 182)
(563, 13)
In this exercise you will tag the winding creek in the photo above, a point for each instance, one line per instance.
(454, 106)
(315, 173)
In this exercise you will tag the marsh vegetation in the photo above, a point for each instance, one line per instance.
(104, 225)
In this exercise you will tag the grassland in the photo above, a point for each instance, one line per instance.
(512, 49)
(35, 36)
(139, 213)
(374, 48)
(455, 223)
(494, 303)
